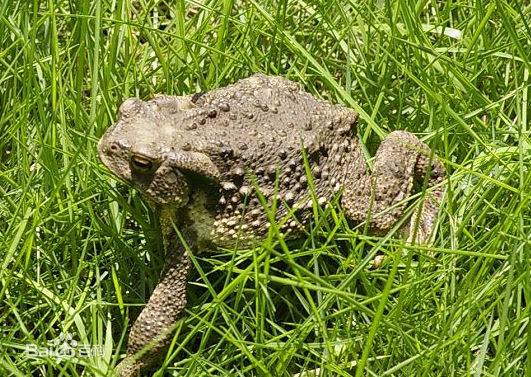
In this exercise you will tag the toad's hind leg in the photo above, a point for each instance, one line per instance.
(381, 197)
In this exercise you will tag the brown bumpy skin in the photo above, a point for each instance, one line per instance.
(382, 196)
(199, 161)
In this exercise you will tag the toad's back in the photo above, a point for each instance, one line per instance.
(257, 128)
(262, 115)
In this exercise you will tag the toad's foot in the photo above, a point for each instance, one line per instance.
(381, 198)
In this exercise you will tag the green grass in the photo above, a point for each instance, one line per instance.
(79, 251)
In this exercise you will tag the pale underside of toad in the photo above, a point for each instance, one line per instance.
(207, 163)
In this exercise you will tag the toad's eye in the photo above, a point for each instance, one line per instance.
(141, 164)
(434, 173)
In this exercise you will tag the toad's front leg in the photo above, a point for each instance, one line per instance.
(401, 160)
(151, 334)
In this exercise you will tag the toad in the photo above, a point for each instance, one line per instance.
(208, 163)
